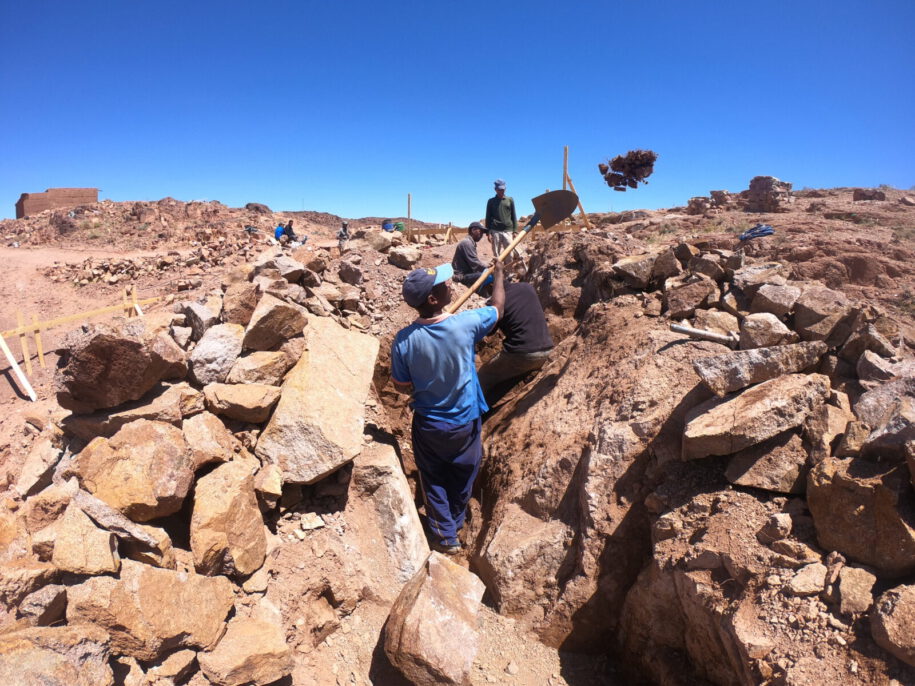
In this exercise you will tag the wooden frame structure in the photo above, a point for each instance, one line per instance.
(130, 305)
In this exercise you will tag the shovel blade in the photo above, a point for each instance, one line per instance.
(555, 206)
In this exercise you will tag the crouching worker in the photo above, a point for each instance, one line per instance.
(466, 264)
(433, 360)
(527, 343)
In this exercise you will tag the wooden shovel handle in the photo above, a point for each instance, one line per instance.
(456, 305)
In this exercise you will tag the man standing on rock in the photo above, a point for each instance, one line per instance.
(343, 237)
(501, 220)
(465, 263)
(527, 342)
(433, 360)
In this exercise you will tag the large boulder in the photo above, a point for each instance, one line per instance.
(239, 302)
(227, 530)
(56, 656)
(209, 439)
(288, 267)
(682, 300)
(273, 322)
(777, 464)
(723, 426)
(378, 475)
(735, 370)
(379, 240)
(149, 612)
(888, 440)
(145, 470)
(865, 510)
(104, 365)
(893, 622)
(818, 311)
(215, 353)
(317, 424)
(82, 548)
(199, 318)
(762, 329)
(777, 300)
(262, 366)
(404, 256)
(252, 652)
(635, 270)
(431, 634)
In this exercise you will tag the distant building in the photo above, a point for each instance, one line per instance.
(33, 203)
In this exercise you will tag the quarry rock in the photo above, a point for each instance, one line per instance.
(683, 301)
(379, 240)
(777, 300)
(22, 576)
(209, 439)
(855, 590)
(823, 429)
(635, 270)
(239, 302)
(707, 264)
(817, 312)
(265, 367)
(45, 606)
(288, 267)
(252, 651)
(893, 622)
(872, 367)
(317, 424)
(273, 322)
(378, 474)
(145, 470)
(159, 553)
(725, 426)
(215, 353)
(735, 370)
(751, 278)
(852, 440)
(248, 402)
(888, 439)
(149, 612)
(762, 330)
(777, 464)
(39, 464)
(431, 634)
(863, 509)
(350, 273)
(875, 406)
(716, 321)
(404, 256)
(809, 580)
(56, 656)
(105, 365)
(199, 317)
(666, 266)
(227, 530)
(81, 547)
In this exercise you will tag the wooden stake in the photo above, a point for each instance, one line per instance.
(38, 345)
(76, 317)
(409, 211)
(565, 167)
(24, 344)
(580, 208)
(24, 382)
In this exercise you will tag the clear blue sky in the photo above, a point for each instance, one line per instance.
(346, 107)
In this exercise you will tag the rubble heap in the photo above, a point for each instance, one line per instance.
(628, 170)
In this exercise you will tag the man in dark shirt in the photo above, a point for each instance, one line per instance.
(527, 343)
(465, 263)
(502, 220)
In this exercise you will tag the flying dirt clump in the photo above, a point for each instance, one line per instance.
(629, 169)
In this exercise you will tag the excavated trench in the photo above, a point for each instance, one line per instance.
(590, 531)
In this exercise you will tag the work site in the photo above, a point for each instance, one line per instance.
(208, 476)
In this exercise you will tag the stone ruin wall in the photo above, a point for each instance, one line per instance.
(33, 203)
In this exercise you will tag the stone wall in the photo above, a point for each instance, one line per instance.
(33, 203)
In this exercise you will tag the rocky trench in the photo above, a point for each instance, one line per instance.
(703, 514)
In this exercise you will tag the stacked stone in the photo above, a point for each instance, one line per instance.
(767, 194)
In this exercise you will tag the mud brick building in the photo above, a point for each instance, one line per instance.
(33, 203)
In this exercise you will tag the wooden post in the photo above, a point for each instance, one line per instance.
(24, 343)
(580, 208)
(24, 382)
(565, 167)
(409, 211)
(38, 344)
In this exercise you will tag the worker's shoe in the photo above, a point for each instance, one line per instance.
(447, 547)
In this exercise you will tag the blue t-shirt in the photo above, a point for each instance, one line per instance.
(279, 231)
(438, 359)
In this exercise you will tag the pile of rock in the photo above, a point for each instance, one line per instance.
(138, 545)
(775, 480)
(767, 194)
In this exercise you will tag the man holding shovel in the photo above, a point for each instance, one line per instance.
(433, 360)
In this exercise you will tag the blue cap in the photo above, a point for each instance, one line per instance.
(420, 282)
(500, 184)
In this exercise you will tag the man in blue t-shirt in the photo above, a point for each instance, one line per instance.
(433, 360)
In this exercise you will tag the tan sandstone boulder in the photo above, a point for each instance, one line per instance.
(317, 424)
(145, 470)
(55, 656)
(431, 633)
(149, 611)
(81, 547)
(738, 369)
(893, 622)
(252, 651)
(272, 322)
(247, 402)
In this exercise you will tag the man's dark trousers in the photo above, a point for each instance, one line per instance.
(448, 457)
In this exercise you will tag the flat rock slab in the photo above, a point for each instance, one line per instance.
(777, 465)
(247, 402)
(431, 633)
(149, 612)
(262, 366)
(727, 425)
(864, 510)
(227, 529)
(145, 470)
(735, 370)
(252, 651)
(215, 354)
(318, 423)
(56, 656)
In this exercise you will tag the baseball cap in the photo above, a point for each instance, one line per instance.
(420, 282)
(499, 183)
(478, 225)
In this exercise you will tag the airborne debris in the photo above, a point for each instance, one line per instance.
(629, 169)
